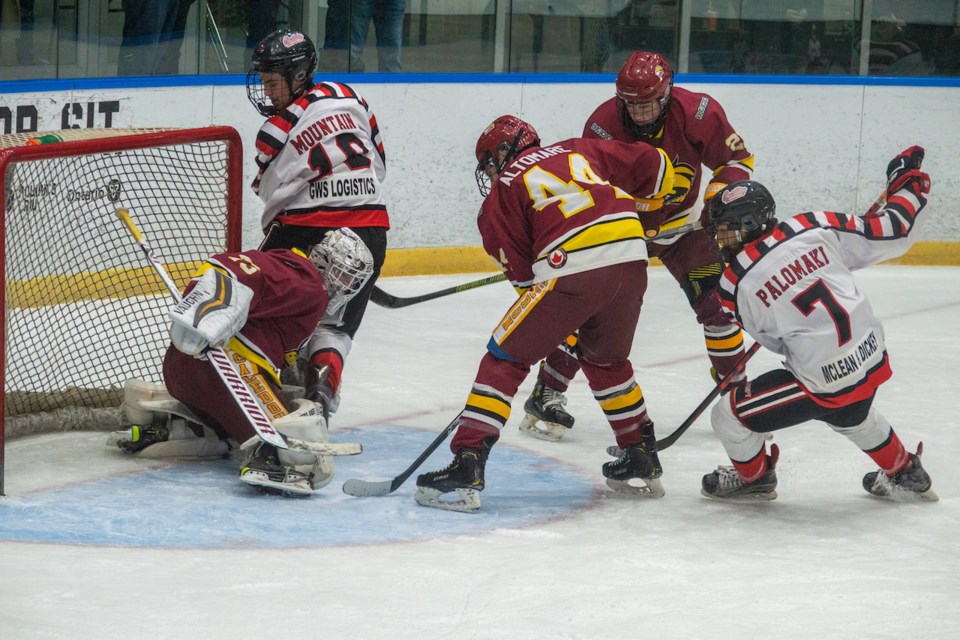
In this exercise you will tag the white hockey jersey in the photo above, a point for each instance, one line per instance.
(322, 162)
(793, 291)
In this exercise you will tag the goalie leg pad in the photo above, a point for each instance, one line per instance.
(176, 432)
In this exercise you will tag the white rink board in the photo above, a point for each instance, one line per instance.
(817, 146)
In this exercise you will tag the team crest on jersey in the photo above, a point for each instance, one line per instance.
(557, 258)
(730, 195)
(291, 39)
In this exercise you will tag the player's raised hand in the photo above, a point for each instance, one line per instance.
(904, 170)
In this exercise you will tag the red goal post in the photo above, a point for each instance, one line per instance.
(82, 311)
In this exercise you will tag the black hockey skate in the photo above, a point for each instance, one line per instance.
(911, 482)
(140, 437)
(638, 461)
(726, 484)
(464, 475)
(546, 405)
(265, 472)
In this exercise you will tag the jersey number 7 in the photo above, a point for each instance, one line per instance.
(820, 292)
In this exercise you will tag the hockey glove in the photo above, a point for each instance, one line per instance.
(210, 314)
(904, 170)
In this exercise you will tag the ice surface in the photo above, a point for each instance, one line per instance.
(552, 554)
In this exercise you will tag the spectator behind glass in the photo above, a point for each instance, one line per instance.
(347, 26)
(152, 37)
(261, 22)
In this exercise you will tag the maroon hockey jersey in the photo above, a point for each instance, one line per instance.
(289, 299)
(569, 207)
(695, 133)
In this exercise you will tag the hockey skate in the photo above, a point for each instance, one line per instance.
(911, 482)
(546, 405)
(640, 462)
(264, 471)
(726, 484)
(464, 475)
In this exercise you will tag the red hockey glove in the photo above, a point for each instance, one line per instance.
(904, 170)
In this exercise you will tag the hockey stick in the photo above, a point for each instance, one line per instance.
(375, 488)
(717, 390)
(221, 362)
(384, 299)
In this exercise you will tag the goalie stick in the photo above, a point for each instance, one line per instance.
(382, 298)
(235, 384)
(375, 488)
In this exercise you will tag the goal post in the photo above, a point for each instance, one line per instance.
(82, 311)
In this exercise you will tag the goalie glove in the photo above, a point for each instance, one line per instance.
(904, 171)
(210, 314)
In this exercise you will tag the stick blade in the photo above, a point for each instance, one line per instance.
(367, 488)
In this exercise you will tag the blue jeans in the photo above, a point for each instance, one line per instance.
(387, 18)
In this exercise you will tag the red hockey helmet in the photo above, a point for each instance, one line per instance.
(645, 78)
(506, 136)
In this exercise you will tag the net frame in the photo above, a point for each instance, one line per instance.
(95, 143)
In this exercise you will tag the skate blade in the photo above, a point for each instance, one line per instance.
(469, 501)
(263, 482)
(651, 487)
(549, 431)
(763, 496)
(899, 495)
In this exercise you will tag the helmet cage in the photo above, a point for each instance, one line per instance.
(743, 210)
(644, 78)
(345, 263)
(502, 141)
(293, 56)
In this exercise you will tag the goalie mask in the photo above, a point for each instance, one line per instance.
(502, 141)
(643, 93)
(740, 213)
(345, 263)
(289, 58)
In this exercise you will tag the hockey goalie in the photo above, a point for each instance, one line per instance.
(257, 305)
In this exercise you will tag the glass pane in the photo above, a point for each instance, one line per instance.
(594, 37)
(774, 36)
(914, 38)
(423, 36)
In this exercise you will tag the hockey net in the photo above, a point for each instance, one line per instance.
(83, 310)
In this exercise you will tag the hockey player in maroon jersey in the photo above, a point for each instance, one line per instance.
(322, 167)
(693, 131)
(258, 305)
(790, 285)
(562, 221)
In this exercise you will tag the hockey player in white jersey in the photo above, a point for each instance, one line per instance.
(321, 167)
(790, 286)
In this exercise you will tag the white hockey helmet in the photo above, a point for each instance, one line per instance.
(345, 263)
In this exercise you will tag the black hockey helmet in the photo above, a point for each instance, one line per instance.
(289, 53)
(740, 213)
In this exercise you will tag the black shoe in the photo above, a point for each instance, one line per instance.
(546, 404)
(911, 481)
(465, 472)
(726, 484)
(638, 461)
(265, 471)
(141, 437)
(464, 475)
